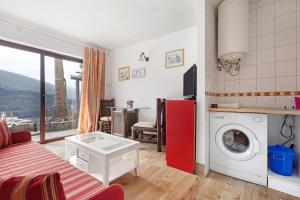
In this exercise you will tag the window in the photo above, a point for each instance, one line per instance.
(62, 97)
(39, 91)
(20, 89)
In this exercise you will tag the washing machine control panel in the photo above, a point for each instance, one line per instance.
(219, 117)
(258, 119)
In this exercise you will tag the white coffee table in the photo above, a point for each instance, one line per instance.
(100, 155)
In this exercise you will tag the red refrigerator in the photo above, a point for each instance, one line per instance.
(180, 134)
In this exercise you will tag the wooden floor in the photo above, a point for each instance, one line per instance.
(158, 181)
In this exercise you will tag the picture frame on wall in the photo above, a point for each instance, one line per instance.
(139, 73)
(124, 73)
(175, 58)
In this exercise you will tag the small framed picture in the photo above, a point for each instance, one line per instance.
(139, 73)
(175, 58)
(124, 73)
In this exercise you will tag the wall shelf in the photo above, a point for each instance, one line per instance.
(274, 111)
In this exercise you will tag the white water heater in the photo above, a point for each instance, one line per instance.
(233, 25)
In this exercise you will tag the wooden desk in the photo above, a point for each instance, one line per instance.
(123, 119)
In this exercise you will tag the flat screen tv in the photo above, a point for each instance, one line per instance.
(190, 83)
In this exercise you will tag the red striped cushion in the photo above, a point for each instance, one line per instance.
(32, 159)
(5, 135)
(42, 187)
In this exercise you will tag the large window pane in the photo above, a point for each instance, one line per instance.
(62, 82)
(20, 89)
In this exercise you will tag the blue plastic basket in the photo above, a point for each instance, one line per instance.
(281, 160)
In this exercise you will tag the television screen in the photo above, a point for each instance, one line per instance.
(190, 82)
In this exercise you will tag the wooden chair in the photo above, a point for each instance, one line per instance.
(149, 132)
(105, 115)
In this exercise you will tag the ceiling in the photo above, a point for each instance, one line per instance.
(110, 24)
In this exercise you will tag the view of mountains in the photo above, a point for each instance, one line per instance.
(22, 94)
(19, 82)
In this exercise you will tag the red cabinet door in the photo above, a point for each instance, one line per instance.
(180, 134)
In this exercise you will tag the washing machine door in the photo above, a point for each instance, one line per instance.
(237, 142)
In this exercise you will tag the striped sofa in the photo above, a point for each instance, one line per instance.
(24, 157)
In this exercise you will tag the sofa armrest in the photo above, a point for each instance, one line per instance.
(114, 192)
(20, 136)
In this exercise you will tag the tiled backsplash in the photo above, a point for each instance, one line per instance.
(273, 61)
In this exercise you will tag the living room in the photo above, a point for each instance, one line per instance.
(117, 100)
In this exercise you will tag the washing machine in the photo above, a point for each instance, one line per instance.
(238, 145)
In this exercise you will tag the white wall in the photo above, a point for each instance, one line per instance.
(24, 32)
(207, 75)
(201, 105)
(211, 80)
(159, 81)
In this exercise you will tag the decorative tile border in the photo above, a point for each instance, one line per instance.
(212, 94)
(252, 94)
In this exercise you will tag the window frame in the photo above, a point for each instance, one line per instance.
(42, 53)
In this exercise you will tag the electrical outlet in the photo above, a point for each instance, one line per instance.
(290, 121)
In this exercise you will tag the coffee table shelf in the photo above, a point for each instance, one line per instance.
(118, 168)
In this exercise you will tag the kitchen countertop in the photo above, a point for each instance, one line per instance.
(274, 111)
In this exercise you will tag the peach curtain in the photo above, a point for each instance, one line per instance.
(93, 89)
